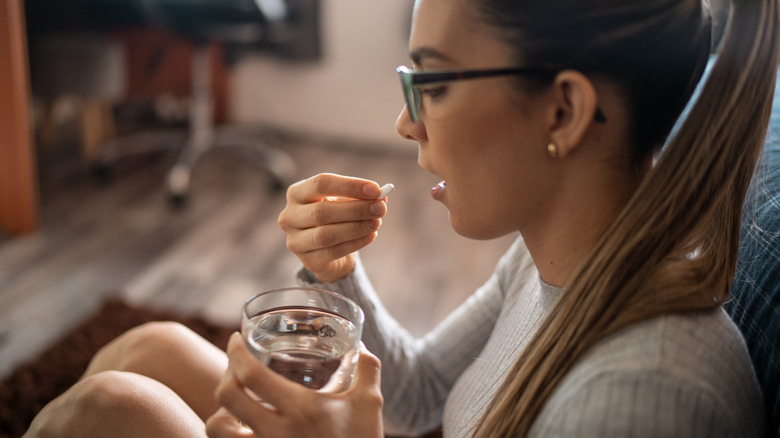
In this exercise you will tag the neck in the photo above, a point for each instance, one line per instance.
(570, 225)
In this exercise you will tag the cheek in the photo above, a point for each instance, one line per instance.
(497, 181)
(486, 153)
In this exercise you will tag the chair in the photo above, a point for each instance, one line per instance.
(755, 295)
(239, 23)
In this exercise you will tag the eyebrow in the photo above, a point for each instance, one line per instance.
(427, 52)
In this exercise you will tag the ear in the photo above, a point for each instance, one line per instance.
(575, 109)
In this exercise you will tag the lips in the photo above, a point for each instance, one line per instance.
(438, 189)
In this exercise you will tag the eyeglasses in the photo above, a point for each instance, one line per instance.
(411, 81)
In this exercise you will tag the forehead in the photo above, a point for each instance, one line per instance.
(448, 32)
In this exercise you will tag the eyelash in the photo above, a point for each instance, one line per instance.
(434, 92)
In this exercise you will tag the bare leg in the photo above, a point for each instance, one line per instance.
(171, 354)
(117, 404)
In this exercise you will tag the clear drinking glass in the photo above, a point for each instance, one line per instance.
(308, 335)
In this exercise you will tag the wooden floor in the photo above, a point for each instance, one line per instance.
(123, 239)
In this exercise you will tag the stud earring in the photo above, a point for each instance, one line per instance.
(552, 150)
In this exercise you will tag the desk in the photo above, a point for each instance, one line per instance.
(18, 176)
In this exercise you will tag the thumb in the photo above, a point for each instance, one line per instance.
(369, 369)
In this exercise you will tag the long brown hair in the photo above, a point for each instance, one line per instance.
(673, 248)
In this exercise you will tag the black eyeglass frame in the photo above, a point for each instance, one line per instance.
(411, 80)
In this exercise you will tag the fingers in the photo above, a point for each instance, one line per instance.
(233, 396)
(323, 233)
(297, 411)
(316, 213)
(327, 184)
(224, 425)
(266, 384)
(327, 237)
(247, 389)
(364, 400)
(368, 390)
(357, 201)
(369, 368)
(331, 212)
(333, 264)
(305, 216)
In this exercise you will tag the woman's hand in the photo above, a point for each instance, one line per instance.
(299, 412)
(327, 218)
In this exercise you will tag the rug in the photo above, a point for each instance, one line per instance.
(32, 385)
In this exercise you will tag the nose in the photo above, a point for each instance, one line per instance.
(408, 129)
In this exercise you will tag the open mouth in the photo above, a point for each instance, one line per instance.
(438, 190)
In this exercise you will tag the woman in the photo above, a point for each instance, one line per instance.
(603, 319)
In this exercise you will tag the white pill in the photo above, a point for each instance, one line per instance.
(385, 191)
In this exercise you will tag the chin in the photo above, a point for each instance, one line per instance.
(475, 231)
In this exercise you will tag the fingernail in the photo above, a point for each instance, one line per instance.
(377, 208)
(370, 191)
(373, 224)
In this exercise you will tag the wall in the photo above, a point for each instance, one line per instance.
(352, 93)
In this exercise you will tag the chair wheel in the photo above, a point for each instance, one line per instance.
(277, 185)
(177, 200)
(103, 173)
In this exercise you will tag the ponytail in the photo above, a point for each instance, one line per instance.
(673, 248)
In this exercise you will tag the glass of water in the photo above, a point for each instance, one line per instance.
(310, 336)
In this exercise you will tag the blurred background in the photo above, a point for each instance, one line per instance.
(147, 146)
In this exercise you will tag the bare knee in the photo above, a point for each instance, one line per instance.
(137, 348)
(92, 400)
(106, 393)
(123, 402)
(171, 354)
